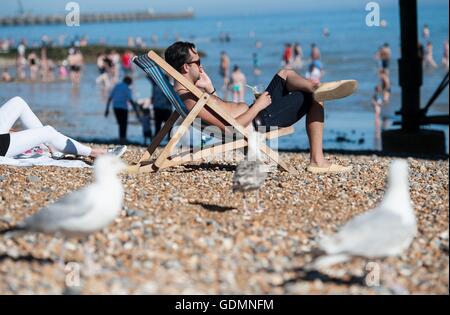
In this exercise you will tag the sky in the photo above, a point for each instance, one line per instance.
(201, 7)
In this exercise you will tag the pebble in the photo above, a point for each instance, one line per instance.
(33, 179)
(135, 213)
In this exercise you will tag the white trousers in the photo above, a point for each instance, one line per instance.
(35, 133)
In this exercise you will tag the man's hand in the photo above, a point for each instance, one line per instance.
(314, 84)
(204, 82)
(263, 101)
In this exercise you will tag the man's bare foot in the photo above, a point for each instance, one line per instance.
(328, 168)
(319, 163)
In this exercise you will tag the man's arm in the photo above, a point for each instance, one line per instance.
(239, 111)
(205, 114)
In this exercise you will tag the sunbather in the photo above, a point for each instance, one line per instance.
(13, 143)
(287, 99)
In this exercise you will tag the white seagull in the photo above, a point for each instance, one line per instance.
(385, 231)
(251, 173)
(82, 212)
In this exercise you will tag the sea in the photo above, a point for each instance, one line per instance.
(347, 53)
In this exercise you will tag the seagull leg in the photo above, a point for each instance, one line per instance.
(246, 212)
(61, 261)
(245, 203)
(259, 209)
(91, 269)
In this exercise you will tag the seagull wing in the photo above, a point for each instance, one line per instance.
(373, 234)
(76, 204)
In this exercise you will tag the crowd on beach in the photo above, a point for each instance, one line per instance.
(34, 65)
(383, 56)
(114, 67)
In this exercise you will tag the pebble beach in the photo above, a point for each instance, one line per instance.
(183, 231)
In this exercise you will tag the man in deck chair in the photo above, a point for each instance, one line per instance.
(286, 100)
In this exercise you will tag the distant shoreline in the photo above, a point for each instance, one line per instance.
(28, 19)
(89, 52)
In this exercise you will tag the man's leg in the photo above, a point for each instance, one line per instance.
(314, 118)
(314, 128)
(295, 82)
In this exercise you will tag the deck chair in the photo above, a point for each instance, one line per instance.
(152, 64)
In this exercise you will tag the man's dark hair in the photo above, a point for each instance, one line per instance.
(178, 54)
(127, 80)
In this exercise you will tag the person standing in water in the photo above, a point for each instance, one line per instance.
(426, 32)
(224, 71)
(33, 63)
(121, 96)
(385, 56)
(238, 81)
(316, 56)
(256, 66)
(445, 55)
(297, 62)
(429, 59)
(287, 55)
(75, 60)
(385, 83)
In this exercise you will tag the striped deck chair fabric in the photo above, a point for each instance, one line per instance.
(155, 72)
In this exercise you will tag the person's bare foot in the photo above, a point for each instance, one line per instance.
(117, 151)
(323, 166)
(319, 163)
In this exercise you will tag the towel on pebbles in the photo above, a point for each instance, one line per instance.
(39, 156)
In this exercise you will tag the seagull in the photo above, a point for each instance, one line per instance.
(387, 230)
(82, 212)
(251, 173)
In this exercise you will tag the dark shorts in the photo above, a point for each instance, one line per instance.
(75, 68)
(4, 143)
(287, 107)
(385, 64)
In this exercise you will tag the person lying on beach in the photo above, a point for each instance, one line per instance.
(286, 100)
(14, 143)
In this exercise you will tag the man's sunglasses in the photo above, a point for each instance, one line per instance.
(197, 62)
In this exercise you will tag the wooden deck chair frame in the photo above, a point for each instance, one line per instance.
(165, 159)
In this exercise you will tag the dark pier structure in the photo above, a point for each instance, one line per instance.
(411, 138)
(28, 19)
